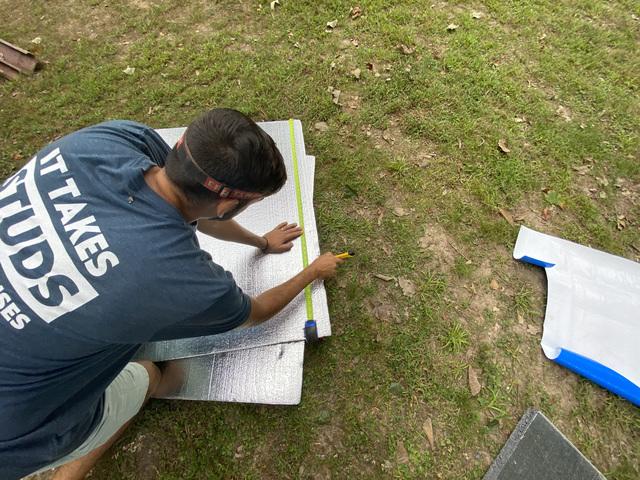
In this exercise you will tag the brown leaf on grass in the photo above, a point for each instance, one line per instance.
(384, 278)
(335, 95)
(424, 159)
(321, 126)
(582, 169)
(274, 3)
(621, 222)
(402, 456)
(405, 49)
(494, 284)
(451, 27)
(355, 12)
(356, 73)
(427, 428)
(383, 312)
(564, 113)
(502, 145)
(507, 216)
(425, 241)
(400, 212)
(546, 213)
(477, 15)
(407, 286)
(533, 329)
(332, 24)
(474, 384)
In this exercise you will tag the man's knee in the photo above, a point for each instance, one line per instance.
(154, 376)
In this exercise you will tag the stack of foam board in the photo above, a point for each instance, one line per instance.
(262, 364)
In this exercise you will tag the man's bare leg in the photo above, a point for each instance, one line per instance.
(77, 469)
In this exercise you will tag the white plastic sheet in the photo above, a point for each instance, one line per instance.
(592, 321)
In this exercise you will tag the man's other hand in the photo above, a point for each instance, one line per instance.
(280, 239)
(326, 266)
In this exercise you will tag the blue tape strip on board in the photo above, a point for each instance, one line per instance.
(598, 373)
(535, 261)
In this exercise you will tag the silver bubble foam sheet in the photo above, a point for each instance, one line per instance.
(255, 272)
(262, 364)
(271, 375)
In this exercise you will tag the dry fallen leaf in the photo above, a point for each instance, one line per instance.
(407, 287)
(451, 27)
(355, 12)
(274, 3)
(475, 14)
(406, 50)
(383, 312)
(385, 278)
(356, 73)
(321, 126)
(129, 70)
(37, 40)
(474, 384)
(427, 428)
(564, 113)
(582, 169)
(335, 95)
(621, 222)
(502, 145)
(402, 456)
(425, 241)
(387, 137)
(332, 24)
(533, 329)
(507, 216)
(494, 284)
(400, 212)
(546, 213)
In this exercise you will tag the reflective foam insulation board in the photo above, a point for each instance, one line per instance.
(270, 375)
(255, 272)
(591, 323)
(537, 450)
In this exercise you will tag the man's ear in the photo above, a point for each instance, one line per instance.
(225, 205)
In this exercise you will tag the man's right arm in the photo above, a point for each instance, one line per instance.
(267, 304)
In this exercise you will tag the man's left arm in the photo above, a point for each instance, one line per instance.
(277, 240)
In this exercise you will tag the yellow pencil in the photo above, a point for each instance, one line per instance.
(345, 255)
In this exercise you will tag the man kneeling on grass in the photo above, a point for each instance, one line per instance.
(98, 254)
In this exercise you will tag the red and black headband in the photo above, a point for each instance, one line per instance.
(209, 183)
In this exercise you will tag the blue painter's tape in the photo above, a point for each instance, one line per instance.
(598, 373)
(535, 261)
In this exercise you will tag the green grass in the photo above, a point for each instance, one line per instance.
(503, 76)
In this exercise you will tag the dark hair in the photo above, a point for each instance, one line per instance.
(231, 148)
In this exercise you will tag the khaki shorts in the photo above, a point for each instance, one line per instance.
(122, 400)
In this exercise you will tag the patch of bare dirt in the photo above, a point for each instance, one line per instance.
(438, 241)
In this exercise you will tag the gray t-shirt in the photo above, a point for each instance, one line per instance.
(93, 263)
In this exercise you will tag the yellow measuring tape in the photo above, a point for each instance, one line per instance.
(303, 238)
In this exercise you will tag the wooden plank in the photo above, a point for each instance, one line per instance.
(16, 57)
(8, 71)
